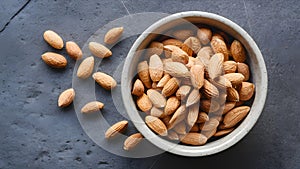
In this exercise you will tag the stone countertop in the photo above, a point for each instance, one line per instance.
(35, 133)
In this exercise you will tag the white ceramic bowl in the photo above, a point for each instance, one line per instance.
(258, 73)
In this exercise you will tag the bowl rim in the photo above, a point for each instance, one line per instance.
(212, 147)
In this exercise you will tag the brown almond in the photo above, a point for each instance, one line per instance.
(197, 76)
(177, 54)
(183, 92)
(235, 115)
(155, 48)
(232, 95)
(180, 128)
(209, 106)
(183, 34)
(172, 135)
(209, 133)
(66, 98)
(143, 72)
(194, 128)
(193, 97)
(73, 50)
(163, 80)
(223, 132)
(247, 90)
(156, 68)
(118, 127)
(215, 66)
(210, 90)
(92, 107)
(171, 87)
(219, 46)
(193, 43)
(244, 70)
(156, 112)
(105, 80)
(192, 116)
(53, 39)
(176, 69)
(138, 88)
(132, 141)
(54, 60)
(228, 106)
(210, 125)
(156, 125)
(237, 51)
(174, 42)
(204, 35)
(235, 78)
(221, 82)
(86, 67)
(166, 120)
(187, 50)
(157, 99)
(229, 66)
(202, 117)
(144, 103)
(205, 52)
(171, 106)
(196, 139)
(113, 35)
(99, 50)
(177, 117)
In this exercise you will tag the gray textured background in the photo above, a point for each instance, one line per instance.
(35, 133)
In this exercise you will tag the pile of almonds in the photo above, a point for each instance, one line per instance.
(85, 70)
(193, 86)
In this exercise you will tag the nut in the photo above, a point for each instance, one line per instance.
(132, 141)
(105, 80)
(113, 35)
(237, 51)
(99, 50)
(156, 125)
(66, 98)
(118, 127)
(54, 60)
(86, 68)
(73, 50)
(92, 107)
(53, 39)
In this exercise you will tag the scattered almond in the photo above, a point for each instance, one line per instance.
(92, 107)
(113, 35)
(118, 127)
(105, 80)
(73, 50)
(99, 50)
(86, 68)
(66, 98)
(132, 141)
(53, 39)
(54, 60)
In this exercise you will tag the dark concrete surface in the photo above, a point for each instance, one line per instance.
(35, 133)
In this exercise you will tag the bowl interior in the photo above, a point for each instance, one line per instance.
(255, 61)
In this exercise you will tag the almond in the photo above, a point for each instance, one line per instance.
(177, 54)
(235, 78)
(215, 66)
(202, 117)
(208, 134)
(210, 90)
(143, 72)
(156, 112)
(195, 128)
(132, 141)
(247, 90)
(172, 135)
(86, 67)
(166, 120)
(171, 106)
(183, 92)
(177, 117)
(174, 42)
(221, 82)
(156, 68)
(205, 52)
(163, 80)
(193, 43)
(138, 88)
(180, 128)
(157, 99)
(53, 39)
(204, 35)
(209, 106)
(92, 107)
(244, 70)
(66, 98)
(197, 76)
(171, 87)
(196, 139)
(105, 80)
(155, 48)
(183, 34)
(54, 60)
(223, 132)
(193, 97)
(113, 35)
(229, 66)
(73, 50)
(228, 106)
(209, 125)
(187, 50)
(144, 103)
(192, 116)
(232, 95)
(99, 50)
(235, 115)
(156, 125)
(237, 51)
(118, 127)
(219, 46)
